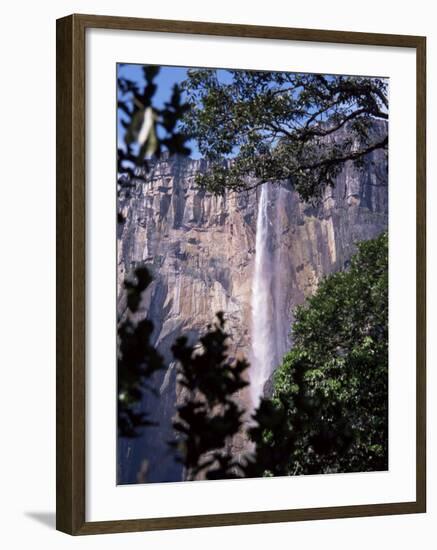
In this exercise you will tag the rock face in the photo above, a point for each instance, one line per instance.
(201, 249)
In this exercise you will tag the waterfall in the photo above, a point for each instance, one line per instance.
(270, 319)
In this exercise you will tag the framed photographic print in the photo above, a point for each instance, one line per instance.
(240, 274)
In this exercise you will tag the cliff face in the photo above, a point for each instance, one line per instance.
(201, 250)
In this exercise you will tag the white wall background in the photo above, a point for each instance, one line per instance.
(27, 289)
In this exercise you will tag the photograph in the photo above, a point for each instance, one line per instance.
(252, 273)
(217, 322)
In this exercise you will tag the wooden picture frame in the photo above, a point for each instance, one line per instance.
(71, 274)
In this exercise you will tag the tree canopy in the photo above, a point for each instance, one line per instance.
(208, 416)
(282, 126)
(137, 359)
(333, 383)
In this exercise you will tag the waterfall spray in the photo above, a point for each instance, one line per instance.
(263, 353)
(269, 314)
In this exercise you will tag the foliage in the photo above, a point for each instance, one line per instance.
(149, 130)
(137, 359)
(208, 416)
(282, 126)
(273, 441)
(334, 382)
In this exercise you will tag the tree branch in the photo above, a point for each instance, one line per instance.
(351, 156)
